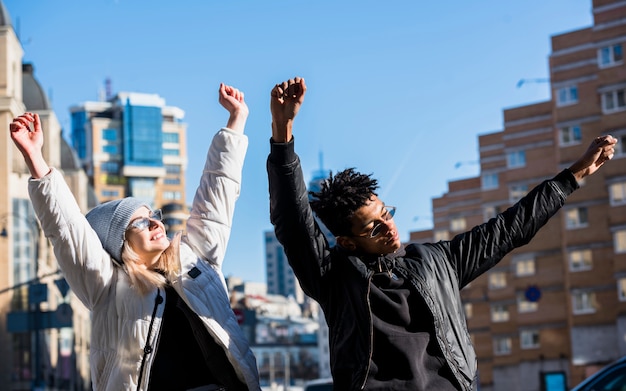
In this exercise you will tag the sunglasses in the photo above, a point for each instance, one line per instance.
(389, 212)
(142, 223)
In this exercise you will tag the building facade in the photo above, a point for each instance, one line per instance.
(552, 311)
(133, 144)
(44, 329)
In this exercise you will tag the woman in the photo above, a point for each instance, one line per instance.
(161, 318)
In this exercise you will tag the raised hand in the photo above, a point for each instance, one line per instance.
(233, 100)
(599, 152)
(27, 135)
(285, 101)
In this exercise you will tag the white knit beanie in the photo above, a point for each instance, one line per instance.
(110, 221)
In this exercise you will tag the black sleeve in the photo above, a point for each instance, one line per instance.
(296, 229)
(476, 251)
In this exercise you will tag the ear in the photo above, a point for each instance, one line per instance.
(346, 243)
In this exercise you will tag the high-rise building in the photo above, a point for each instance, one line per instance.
(552, 312)
(44, 329)
(133, 144)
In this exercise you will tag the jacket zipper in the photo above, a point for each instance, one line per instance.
(369, 308)
(147, 349)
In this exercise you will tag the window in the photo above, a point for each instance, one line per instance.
(111, 149)
(441, 234)
(610, 55)
(617, 193)
(499, 313)
(110, 193)
(583, 302)
(489, 181)
(567, 96)
(524, 305)
(171, 152)
(170, 138)
(516, 159)
(525, 267)
(502, 345)
(580, 260)
(171, 195)
(110, 167)
(619, 240)
(172, 169)
(620, 147)
(490, 212)
(613, 101)
(171, 181)
(497, 280)
(469, 310)
(529, 339)
(621, 289)
(516, 192)
(576, 218)
(570, 135)
(109, 134)
(457, 224)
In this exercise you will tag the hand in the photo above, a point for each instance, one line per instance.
(26, 133)
(233, 100)
(286, 99)
(600, 151)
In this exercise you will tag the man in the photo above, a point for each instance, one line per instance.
(394, 313)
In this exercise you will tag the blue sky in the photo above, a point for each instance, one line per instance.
(400, 89)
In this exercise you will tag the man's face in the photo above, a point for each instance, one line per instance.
(373, 230)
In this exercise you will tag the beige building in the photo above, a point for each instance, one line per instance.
(33, 295)
(553, 310)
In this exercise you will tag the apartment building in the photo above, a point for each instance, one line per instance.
(553, 311)
(133, 144)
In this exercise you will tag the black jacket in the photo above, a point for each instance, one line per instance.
(340, 282)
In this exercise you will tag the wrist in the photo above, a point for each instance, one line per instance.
(281, 131)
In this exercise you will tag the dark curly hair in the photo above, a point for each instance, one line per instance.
(339, 198)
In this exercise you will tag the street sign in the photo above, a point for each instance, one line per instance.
(37, 293)
(25, 321)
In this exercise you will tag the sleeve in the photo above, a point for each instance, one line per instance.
(294, 224)
(474, 252)
(211, 216)
(87, 267)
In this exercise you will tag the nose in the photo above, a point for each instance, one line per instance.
(389, 225)
(153, 223)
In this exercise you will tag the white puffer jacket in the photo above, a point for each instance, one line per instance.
(120, 316)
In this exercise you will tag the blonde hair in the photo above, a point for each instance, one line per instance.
(146, 278)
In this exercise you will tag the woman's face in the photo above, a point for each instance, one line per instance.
(146, 235)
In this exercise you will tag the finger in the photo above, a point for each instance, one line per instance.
(37, 127)
(20, 122)
(302, 87)
(280, 90)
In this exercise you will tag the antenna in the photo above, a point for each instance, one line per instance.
(107, 84)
